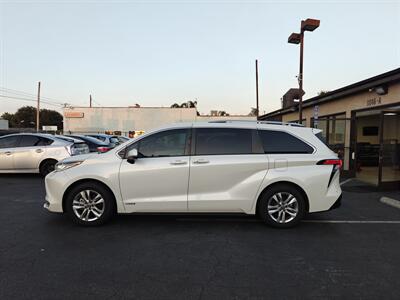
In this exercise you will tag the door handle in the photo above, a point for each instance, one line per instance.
(178, 162)
(39, 150)
(8, 153)
(201, 161)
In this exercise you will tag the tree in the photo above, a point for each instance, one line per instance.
(9, 117)
(25, 117)
(253, 112)
(321, 93)
(190, 104)
(51, 117)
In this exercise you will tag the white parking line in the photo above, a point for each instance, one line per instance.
(305, 221)
(346, 181)
(217, 220)
(351, 221)
(390, 201)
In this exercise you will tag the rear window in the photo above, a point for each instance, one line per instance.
(101, 138)
(89, 139)
(114, 140)
(280, 142)
(220, 141)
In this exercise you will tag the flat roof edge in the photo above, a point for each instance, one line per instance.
(384, 78)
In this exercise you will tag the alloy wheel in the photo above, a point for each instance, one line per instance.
(88, 205)
(283, 207)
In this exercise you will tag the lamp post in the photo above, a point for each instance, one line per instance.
(298, 38)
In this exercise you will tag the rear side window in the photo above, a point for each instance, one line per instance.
(280, 142)
(9, 141)
(45, 141)
(220, 141)
(321, 137)
(28, 141)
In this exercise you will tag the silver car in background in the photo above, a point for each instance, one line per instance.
(35, 152)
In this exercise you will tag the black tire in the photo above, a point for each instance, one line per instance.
(47, 167)
(284, 190)
(109, 207)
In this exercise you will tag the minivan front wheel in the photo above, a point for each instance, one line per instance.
(282, 206)
(90, 204)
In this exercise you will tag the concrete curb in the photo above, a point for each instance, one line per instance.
(390, 201)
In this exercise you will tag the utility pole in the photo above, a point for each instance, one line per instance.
(90, 100)
(257, 109)
(38, 108)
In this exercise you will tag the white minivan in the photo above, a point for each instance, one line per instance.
(277, 171)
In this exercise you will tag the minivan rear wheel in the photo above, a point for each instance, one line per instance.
(90, 204)
(282, 206)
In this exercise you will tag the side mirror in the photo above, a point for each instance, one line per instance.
(132, 155)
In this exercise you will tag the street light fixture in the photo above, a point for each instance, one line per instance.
(294, 38)
(298, 38)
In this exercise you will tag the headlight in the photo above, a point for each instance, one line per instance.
(61, 166)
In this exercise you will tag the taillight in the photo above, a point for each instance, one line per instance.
(336, 163)
(103, 149)
(331, 162)
(69, 149)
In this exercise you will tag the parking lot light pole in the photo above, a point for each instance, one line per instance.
(257, 108)
(298, 38)
(38, 108)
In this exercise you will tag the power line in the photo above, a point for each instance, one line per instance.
(26, 94)
(32, 100)
(97, 103)
(23, 93)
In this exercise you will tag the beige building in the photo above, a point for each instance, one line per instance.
(361, 122)
(126, 120)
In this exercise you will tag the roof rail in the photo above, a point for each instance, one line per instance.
(259, 122)
(280, 123)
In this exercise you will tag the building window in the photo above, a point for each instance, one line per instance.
(333, 131)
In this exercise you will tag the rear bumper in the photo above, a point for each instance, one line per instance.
(337, 203)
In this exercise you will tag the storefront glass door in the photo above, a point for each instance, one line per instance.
(389, 156)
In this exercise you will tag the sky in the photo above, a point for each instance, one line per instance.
(156, 53)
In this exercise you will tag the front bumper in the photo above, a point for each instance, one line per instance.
(56, 183)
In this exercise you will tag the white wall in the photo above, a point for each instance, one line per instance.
(100, 119)
(3, 124)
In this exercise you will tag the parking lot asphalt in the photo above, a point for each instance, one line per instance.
(45, 256)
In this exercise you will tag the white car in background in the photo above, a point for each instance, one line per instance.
(278, 171)
(35, 152)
